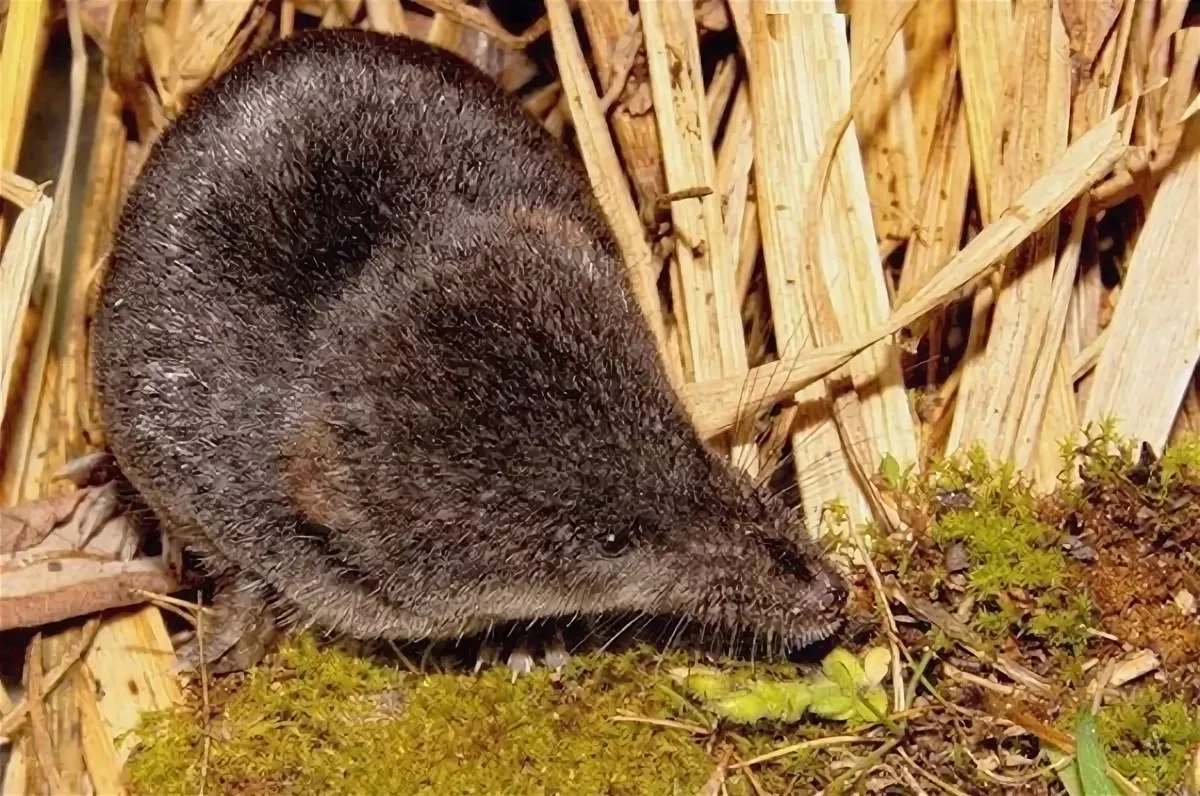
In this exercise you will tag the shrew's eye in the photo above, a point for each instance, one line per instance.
(615, 543)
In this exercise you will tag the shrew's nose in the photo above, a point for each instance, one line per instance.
(835, 596)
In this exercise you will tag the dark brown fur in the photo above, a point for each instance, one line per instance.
(366, 346)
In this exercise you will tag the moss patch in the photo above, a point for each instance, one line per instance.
(318, 720)
(1149, 737)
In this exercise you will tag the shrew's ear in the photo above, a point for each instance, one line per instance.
(316, 479)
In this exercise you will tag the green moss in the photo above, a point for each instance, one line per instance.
(1181, 460)
(320, 720)
(1149, 739)
(1010, 552)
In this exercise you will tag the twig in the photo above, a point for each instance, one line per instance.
(955, 673)
(697, 192)
(910, 692)
(836, 787)
(412, 668)
(695, 729)
(181, 608)
(1100, 684)
(42, 745)
(206, 748)
(759, 790)
(477, 19)
(845, 415)
(911, 781)
(1017, 781)
(13, 720)
(816, 743)
(946, 786)
(624, 57)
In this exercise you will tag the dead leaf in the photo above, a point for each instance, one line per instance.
(28, 524)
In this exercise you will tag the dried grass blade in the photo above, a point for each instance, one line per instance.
(706, 269)
(1035, 130)
(1156, 327)
(984, 33)
(18, 271)
(24, 38)
(884, 123)
(716, 405)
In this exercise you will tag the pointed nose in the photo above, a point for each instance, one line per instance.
(835, 597)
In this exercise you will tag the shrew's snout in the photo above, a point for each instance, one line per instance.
(836, 594)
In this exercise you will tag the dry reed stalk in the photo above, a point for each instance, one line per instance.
(16, 773)
(1135, 76)
(735, 162)
(1042, 430)
(386, 16)
(984, 33)
(210, 32)
(257, 29)
(792, 119)
(446, 33)
(543, 100)
(62, 709)
(20, 55)
(1168, 21)
(604, 169)
(749, 244)
(1112, 70)
(1156, 328)
(159, 39)
(479, 19)
(715, 406)
(932, 65)
(942, 205)
(706, 269)
(338, 13)
(1188, 420)
(1034, 131)
(885, 124)
(62, 705)
(18, 273)
(941, 211)
(1178, 91)
(719, 93)
(609, 27)
(43, 745)
(99, 218)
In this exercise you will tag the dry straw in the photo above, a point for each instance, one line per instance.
(821, 225)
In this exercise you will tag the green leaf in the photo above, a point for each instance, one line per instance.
(844, 669)
(746, 707)
(890, 470)
(708, 684)
(1068, 775)
(1089, 755)
(799, 697)
(831, 701)
(876, 664)
(876, 698)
